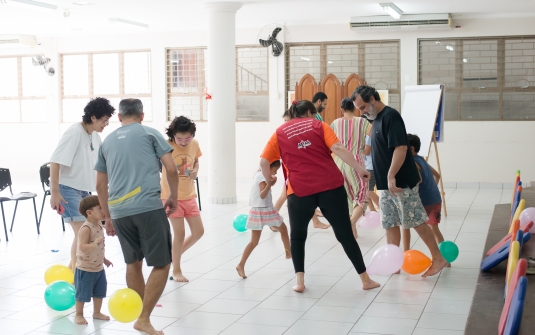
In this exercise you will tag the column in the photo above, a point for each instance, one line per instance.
(221, 85)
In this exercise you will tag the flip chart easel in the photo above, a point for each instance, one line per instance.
(423, 114)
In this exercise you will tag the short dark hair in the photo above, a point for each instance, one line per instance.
(301, 108)
(347, 105)
(131, 108)
(98, 107)
(180, 124)
(87, 203)
(414, 141)
(319, 96)
(276, 163)
(365, 92)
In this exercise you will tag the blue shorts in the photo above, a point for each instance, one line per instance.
(73, 198)
(90, 285)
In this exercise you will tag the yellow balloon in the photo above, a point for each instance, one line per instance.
(59, 272)
(125, 305)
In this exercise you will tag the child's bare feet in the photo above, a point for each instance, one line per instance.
(100, 316)
(147, 328)
(318, 224)
(80, 320)
(178, 276)
(241, 271)
(288, 254)
(438, 264)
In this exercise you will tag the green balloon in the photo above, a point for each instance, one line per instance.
(449, 250)
(60, 295)
(239, 222)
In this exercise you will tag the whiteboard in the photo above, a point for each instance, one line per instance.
(420, 108)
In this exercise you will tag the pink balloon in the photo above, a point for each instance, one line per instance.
(526, 216)
(386, 260)
(370, 220)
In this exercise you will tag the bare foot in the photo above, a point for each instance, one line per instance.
(241, 271)
(288, 254)
(178, 276)
(370, 284)
(100, 316)
(449, 265)
(274, 229)
(318, 212)
(299, 288)
(147, 328)
(438, 264)
(80, 320)
(320, 225)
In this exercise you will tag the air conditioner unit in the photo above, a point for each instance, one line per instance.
(17, 41)
(406, 22)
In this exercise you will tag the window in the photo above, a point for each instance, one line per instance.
(376, 62)
(186, 81)
(22, 90)
(187, 76)
(485, 78)
(113, 75)
(252, 84)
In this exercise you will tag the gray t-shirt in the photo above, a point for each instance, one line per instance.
(130, 156)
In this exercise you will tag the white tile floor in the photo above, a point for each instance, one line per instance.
(217, 301)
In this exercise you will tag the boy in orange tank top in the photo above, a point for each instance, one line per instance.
(89, 276)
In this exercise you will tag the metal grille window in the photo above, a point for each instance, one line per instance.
(22, 90)
(376, 62)
(485, 78)
(186, 81)
(252, 84)
(112, 75)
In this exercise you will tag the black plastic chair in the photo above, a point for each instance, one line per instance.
(196, 182)
(44, 174)
(5, 182)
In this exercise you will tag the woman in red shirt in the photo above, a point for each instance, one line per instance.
(313, 180)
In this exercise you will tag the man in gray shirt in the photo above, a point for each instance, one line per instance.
(128, 161)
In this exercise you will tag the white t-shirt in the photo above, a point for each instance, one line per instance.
(76, 159)
(254, 198)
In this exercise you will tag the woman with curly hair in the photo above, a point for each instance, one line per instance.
(71, 166)
(186, 153)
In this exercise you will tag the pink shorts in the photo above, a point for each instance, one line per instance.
(433, 212)
(186, 209)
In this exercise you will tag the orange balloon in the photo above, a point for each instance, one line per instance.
(415, 262)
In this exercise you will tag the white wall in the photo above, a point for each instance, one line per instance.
(472, 151)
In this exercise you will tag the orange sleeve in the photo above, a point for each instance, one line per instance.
(329, 136)
(271, 151)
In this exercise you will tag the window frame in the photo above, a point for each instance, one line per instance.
(458, 89)
(91, 94)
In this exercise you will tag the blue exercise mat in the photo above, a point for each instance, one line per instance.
(514, 318)
(500, 255)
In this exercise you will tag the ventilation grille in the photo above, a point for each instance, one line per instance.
(400, 23)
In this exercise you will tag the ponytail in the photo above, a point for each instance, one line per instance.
(300, 109)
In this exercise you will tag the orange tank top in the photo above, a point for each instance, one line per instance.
(92, 261)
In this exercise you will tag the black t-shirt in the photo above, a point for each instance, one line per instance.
(388, 132)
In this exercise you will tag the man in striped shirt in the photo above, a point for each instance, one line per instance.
(320, 102)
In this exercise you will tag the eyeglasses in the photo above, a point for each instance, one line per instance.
(183, 140)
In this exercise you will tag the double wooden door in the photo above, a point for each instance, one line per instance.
(333, 88)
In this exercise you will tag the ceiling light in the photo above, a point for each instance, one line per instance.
(129, 24)
(465, 60)
(392, 10)
(305, 58)
(30, 4)
(449, 47)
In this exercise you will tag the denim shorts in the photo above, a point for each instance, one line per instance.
(90, 285)
(73, 197)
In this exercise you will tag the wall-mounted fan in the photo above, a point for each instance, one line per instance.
(43, 61)
(274, 36)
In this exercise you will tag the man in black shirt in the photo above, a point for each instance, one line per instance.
(396, 174)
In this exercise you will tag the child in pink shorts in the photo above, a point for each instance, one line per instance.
(186, 153)
(429, 193)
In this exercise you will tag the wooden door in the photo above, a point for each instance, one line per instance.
(306, 88)
(352, 82)
(330, 85)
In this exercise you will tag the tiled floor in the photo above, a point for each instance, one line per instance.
(217, 301)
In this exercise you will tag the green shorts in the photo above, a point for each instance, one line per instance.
(405, 209)
(145, 235)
